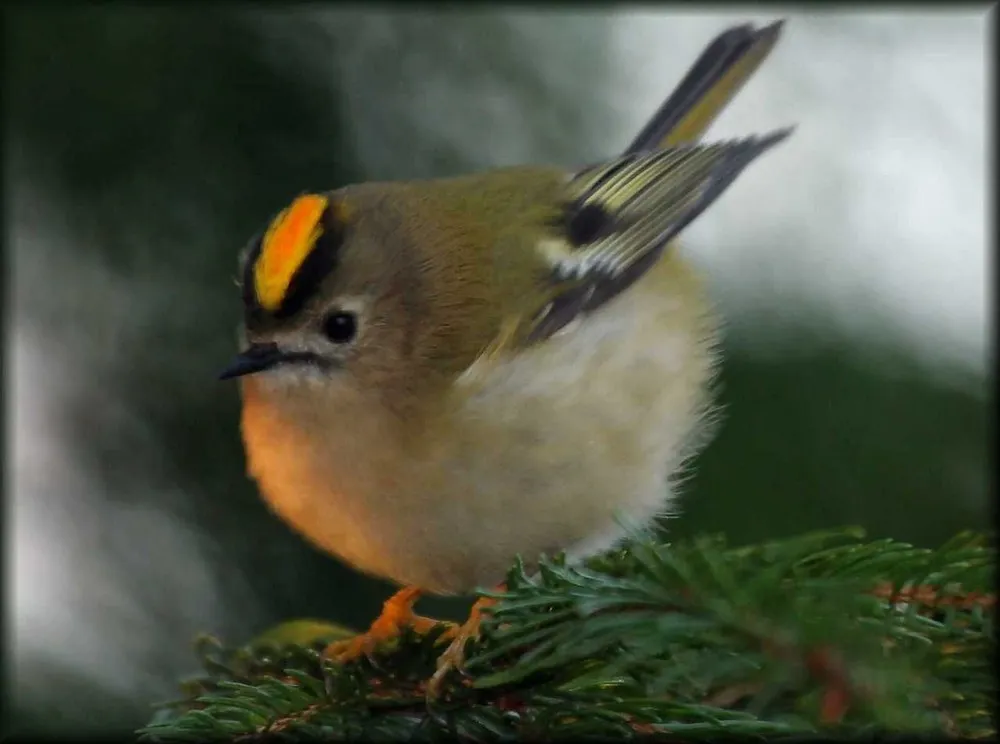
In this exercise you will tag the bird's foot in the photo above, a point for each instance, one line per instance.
(397, 615)
(453, 657)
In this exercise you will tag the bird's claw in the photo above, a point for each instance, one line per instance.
(397, 615)
(453, 657)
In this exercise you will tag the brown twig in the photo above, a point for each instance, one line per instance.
(934, 597)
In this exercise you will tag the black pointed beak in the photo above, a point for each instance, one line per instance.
(256, 358)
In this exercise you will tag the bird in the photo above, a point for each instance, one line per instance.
(441, 376)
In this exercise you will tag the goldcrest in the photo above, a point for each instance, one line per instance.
(442, 375)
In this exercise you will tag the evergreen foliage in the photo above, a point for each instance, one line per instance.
(824, 635)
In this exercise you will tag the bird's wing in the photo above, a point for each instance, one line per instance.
(620, 215)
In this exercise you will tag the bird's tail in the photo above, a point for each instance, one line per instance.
(707, 87)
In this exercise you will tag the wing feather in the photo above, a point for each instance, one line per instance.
(641, 202)
(621, 214)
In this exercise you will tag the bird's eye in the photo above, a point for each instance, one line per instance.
(340, 327)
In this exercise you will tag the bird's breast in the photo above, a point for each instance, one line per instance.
(543, 451)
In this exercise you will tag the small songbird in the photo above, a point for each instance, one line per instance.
(442, 375)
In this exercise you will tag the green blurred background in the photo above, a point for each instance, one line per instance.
(143, 145)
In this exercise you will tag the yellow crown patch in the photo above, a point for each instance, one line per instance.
(289, 239)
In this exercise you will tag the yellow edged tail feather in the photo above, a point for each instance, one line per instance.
(707, 87)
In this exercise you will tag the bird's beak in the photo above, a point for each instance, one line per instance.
(256, 358)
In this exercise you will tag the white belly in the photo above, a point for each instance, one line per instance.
(547, 451)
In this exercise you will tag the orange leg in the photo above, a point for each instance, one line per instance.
(454, 656)
(397, 614)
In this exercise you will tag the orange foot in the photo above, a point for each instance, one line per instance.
(453, 657)
(397, 614)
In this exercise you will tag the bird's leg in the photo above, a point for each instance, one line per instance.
(454, 656)
(397, 614)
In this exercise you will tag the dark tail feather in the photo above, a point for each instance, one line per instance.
(707, 87)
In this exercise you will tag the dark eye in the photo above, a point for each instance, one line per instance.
(340, 327)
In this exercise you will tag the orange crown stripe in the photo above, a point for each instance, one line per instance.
(287, 242)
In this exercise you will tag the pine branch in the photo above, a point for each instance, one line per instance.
(818, 635)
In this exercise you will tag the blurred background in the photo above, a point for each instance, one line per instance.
(144, 145)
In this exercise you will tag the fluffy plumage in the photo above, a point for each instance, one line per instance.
(519, 360)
